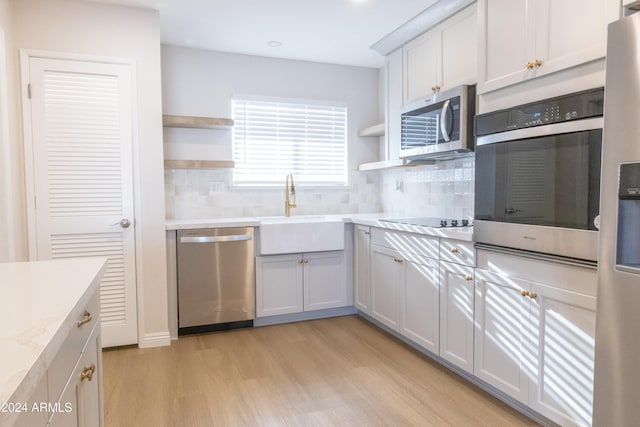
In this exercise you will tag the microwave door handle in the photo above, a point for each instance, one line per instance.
(443, 121)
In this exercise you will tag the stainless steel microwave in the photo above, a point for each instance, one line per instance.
(440, 126)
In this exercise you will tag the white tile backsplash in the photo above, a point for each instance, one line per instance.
(444, 189)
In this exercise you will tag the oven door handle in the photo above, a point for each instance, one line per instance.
(443, 120)
(541, 131)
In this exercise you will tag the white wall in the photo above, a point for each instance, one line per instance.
(97, 29)
(201, 83)
(12, 225)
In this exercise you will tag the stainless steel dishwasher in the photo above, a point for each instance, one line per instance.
(216, 287)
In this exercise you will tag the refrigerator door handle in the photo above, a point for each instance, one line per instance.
(215, 239)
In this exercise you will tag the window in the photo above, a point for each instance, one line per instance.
(272, 139)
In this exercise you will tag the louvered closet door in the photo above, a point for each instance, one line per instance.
(81, 115)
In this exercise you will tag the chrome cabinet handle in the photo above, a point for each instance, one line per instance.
(86, 318)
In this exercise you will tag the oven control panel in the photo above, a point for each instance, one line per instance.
(565, 108)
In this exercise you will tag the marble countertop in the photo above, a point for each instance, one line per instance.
(370, 219)
(39, 303)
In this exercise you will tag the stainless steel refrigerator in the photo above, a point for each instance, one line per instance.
(617, 363)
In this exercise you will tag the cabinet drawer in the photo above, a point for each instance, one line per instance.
(568, 277)
(418, 244)
(64, 362)
(457, 251)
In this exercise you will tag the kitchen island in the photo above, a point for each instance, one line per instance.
(49, 311)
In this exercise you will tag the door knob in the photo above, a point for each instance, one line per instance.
(125, 223)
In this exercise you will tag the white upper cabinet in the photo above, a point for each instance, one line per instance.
(422, 71)
(441, 58)
(524, 39)
(393, 104)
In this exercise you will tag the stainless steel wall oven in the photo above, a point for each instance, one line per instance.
(537, 184)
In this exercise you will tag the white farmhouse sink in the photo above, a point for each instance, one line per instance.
(284, 235)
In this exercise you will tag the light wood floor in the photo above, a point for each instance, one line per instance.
(332, 372)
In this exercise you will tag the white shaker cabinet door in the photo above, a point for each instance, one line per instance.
(564, 350)
(502, 334)
(386, 276)
(279, 284)
(421, 64)
(456, 314)
(420, 301)
(460, 49)
(506, 44)
(325, 280)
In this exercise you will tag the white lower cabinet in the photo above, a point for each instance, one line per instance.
(420, 301)
(456, 314)
(386, 276)
(362, 268)
(564, 346)
(325, 284)
(535, 341)
(279, 285)
(501, 357)
(80, 402)
(294, 283)
(405, 293)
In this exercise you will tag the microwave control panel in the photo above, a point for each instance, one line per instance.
(565, 108)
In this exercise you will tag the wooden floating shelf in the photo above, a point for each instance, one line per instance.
(196, 122)
(198, 164)
(375, 130)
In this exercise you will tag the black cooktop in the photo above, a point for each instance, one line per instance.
(431, 222)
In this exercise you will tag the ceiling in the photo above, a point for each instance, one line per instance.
(331, 31)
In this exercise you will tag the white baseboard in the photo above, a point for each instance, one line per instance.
(155, 339)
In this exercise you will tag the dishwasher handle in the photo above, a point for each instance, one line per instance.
(215, 239)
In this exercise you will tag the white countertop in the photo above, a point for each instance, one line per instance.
(39, 302)
(371, 219)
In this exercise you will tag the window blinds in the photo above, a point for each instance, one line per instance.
(272, 139)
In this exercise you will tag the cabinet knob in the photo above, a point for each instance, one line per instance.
(537, 63)
(87, 372)
(468, 277)
(86, 318)
(300, 261)
(533, 295)
(524, 293)
(435, 89)
(455, 250)
(398, 260)
(367, 232)
(529, 66)
(306, 261)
